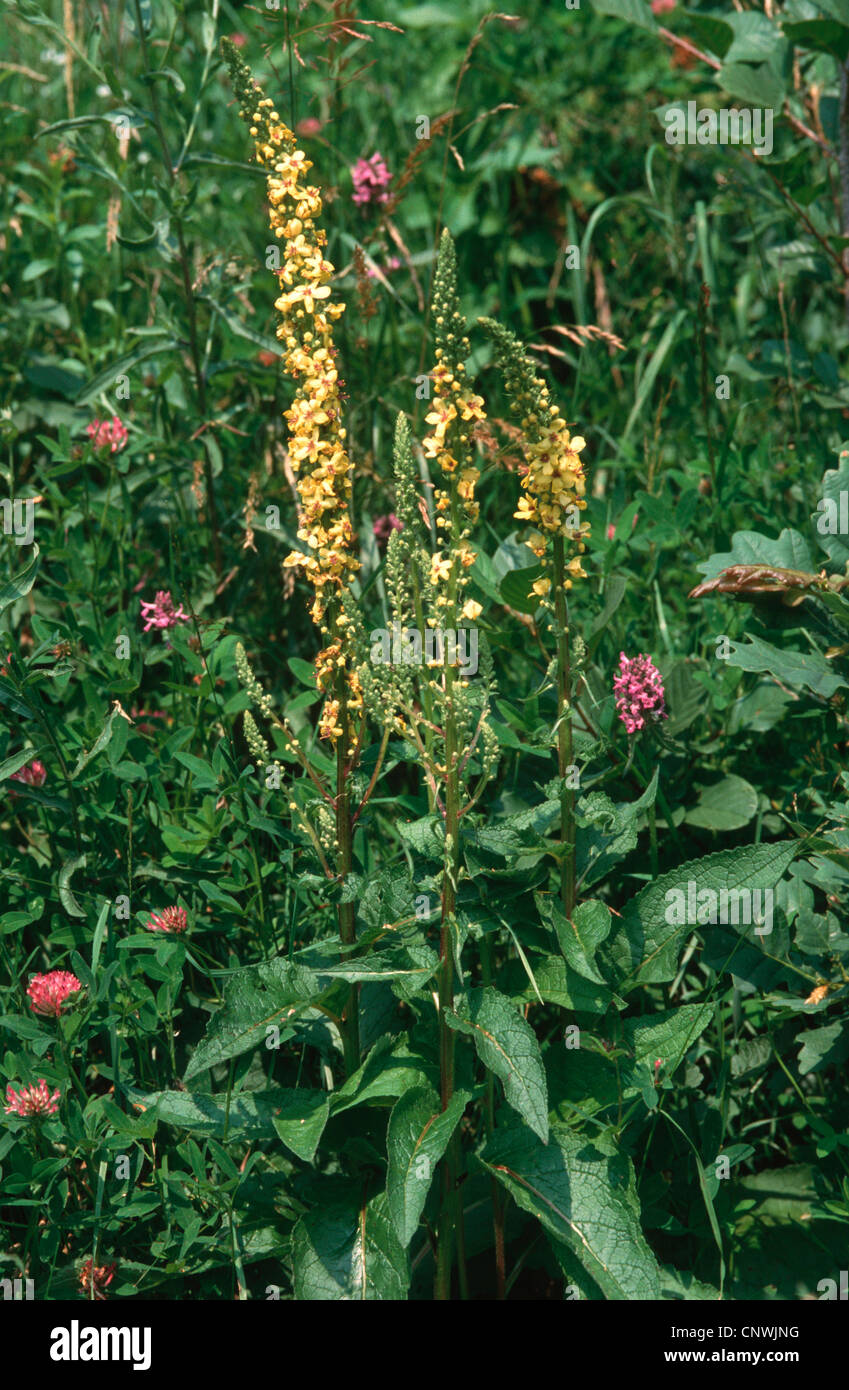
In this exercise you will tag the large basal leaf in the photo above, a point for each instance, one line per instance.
(808, 669)
(789, 552)
(644, 947)
(727, 805)
(255, 999)
(348, 1249)
(507, 1045)
(583, 1197)
(417, 1137)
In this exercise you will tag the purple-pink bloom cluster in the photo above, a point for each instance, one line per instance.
(160, 612)
(639, 692)
(371, 179)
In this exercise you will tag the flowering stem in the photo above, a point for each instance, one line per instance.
(188, 292)
(564, 728)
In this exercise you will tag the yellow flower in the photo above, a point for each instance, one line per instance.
(471, 610)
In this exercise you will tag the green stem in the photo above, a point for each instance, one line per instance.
(564, 728)
(450, 1218)
(344, 862)
(653, 840)
(496, 1189)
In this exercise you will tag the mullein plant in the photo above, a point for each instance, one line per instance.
(442, 712)
(552, 500)
(323, 471)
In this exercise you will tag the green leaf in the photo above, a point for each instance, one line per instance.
(756, 39)
(416, 1138)
(710, 31)
(299, 1117)
(557, 983)
(20, 585)
(583, 1197)
(667, 1034)
(757, 84)
(241, 330)
(72, 123)
(632, 11)
(105, 379)
(823, 1047)
(260, 997)
(347, 1249)
(838, 9)
(304, 670)
(649, 934)
(649, 376)
(99, 934)
(390, 1069)
(790, 552)
(727, 805)
(293, 1114)
(16, 762)
(507, 1045)
(607, 830)
(515, 589)
(581, 937)
(810, 670)
(103, 738)
(66, 897)
(822, 35)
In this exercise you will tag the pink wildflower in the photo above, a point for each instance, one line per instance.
(48, 993)
(170, 919)
(639, 692)
(310, 125)
(161, 612)
(108, 432)
(384, 526)
(663, 6)
(34, 774)
(31, 1100)
(371, 179)
(143, 715)
(95, 1279)
(391, 263)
